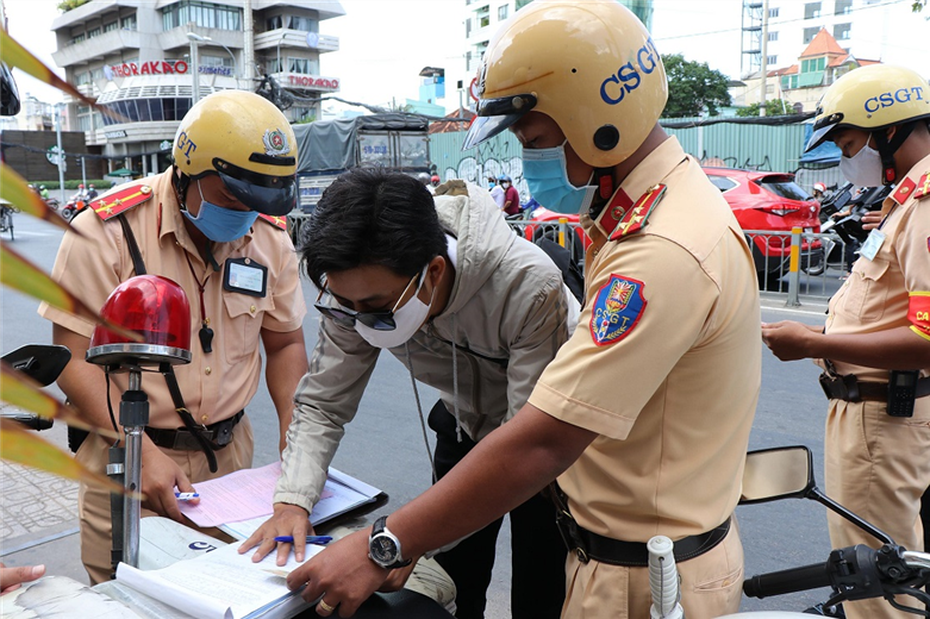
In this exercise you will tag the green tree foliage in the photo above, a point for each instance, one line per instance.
(66, 5)
(693, 87)
(773, 107)
(918, 5)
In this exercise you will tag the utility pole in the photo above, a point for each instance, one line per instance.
(195, 69)
(248, 50)
(765, 57)
(61, 156)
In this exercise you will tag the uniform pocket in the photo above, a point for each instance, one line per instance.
(865, 299)
(244, 316)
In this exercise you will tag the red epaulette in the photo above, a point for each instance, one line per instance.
(635, 219)
(909, 189)
(277, 222)
(923, 187)
(120, 200)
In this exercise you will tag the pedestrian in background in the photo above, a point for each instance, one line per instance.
(511, 196)
(497, 192)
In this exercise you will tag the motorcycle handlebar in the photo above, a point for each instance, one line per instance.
(788, 581)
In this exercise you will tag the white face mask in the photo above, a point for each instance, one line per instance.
(407, 320)
(864, 168)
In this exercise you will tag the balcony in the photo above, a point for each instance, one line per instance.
(285, 37)
(96, 48)
(176, 38)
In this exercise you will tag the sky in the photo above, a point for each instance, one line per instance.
(383, 44)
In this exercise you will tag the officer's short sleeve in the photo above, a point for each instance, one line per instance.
(648, 302)
(89, 266)
(912, 246)
(289, 305)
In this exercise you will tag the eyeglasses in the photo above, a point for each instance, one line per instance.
(379, 321)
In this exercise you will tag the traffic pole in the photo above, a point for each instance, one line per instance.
(794, 268)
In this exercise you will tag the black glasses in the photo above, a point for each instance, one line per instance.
(379, 321)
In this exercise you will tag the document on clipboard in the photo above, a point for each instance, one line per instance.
(241, 502)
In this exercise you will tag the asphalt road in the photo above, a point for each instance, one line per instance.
(385, 444)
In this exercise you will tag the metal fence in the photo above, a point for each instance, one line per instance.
(795, 264)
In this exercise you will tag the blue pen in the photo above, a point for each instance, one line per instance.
(317, 540)
(186, 496)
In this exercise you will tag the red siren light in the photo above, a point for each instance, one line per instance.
(153, 306)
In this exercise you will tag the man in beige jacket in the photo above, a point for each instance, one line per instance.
(470, 309)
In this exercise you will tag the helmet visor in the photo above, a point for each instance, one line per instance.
(495, 115)
(271, 195)
(822, 127)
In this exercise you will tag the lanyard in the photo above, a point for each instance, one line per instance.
(205, 333)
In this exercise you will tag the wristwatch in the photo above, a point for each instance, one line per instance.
(384, 547)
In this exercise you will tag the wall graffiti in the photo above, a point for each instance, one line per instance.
(499, 155)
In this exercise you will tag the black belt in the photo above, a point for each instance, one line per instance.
(635, 554)
(220, 433)
(850, 389)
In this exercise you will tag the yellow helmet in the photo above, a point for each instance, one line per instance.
(248, 142)
(591, 66)
(871, 98)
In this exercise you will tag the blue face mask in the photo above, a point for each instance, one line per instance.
(547, 176)
(221, 224)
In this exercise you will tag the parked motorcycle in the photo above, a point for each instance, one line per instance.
(854, 573)
(841, 225)
(42, 363)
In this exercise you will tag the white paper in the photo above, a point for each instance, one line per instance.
(218, 585)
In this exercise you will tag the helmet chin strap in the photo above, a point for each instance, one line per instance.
(887, 149)
(604, 179)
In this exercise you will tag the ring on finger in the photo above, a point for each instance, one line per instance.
(326, 607)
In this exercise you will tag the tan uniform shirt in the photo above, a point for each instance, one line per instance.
(671, 384)
(215, 385)
(893, 288)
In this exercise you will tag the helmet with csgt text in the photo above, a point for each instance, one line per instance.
(591, 66)
(244, 139)
(871, 98)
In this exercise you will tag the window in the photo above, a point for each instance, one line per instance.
(772, 61)
(77, 38)
(773, 36)
(274, 23)
(841, 31)
(82, 78)
(484, 16)
(842, 7)
(722, 182)
(93, 32)
(128, 22)
(502, 12)
(216, 61)
(811, 10)
(522, 3)
(304, 24)
(274, 65)
(810, 33)
(204, 14)
(113, 25)
(304, 66)
(773, 13)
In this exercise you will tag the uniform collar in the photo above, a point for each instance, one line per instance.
(650, 171)
(915, 179)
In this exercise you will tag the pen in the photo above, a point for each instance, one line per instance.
(318, 540)
(186, 496)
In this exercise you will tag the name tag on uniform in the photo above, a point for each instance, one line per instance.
(246, 276)
(872, 244)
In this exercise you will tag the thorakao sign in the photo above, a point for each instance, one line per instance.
(159, 67)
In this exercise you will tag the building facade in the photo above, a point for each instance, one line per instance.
(139, 59)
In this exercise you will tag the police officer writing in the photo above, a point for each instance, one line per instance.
(875, 346)
(644, 415)
(214, 217)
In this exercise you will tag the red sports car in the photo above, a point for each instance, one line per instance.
(767, 206)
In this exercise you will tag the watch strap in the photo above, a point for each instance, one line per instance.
(380, 527)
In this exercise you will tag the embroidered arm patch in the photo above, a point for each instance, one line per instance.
(617, 308)
(918, 313)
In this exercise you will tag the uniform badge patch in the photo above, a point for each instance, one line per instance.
(617, 308)
(275, 142)
(919, 313)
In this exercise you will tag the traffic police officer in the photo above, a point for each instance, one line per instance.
(644, 415)
(875, 347)
(196, 223)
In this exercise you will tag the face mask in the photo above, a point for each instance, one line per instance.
(407, 320)
(221, 224)
(864, 168)
(547, 176)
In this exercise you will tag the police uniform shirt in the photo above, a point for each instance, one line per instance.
(215, 385)
(665, 364)
(893, 288)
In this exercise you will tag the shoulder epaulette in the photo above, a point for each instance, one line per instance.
(923, 187)
(277, 222)
(635, 219)
(120, 200)
(909, 189)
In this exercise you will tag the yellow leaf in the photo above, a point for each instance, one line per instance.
(24, 447)
(19, 273)
(15, 190)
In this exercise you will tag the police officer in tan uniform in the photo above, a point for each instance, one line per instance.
(875, 346)
(644, 415)
(214, 224)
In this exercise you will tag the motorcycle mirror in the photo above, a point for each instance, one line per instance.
(41, 362)
(777, 473)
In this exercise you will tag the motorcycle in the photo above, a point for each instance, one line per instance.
(76, 203)
(842, 235)
(42, 363)
(52, 203)
(854, 573)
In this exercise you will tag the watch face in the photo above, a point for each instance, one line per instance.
(383, 549)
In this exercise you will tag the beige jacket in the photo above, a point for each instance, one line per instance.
(508, 314)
